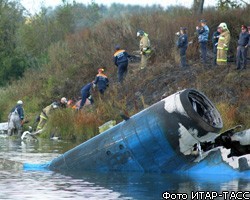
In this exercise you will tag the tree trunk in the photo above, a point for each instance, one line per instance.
(198, 6)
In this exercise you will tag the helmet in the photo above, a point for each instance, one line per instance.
(223, 25)
(64, 100)
(20, 102)
(140, 33)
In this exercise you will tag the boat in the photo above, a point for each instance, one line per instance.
(178, 134)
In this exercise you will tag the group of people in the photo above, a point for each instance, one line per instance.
(220, 40)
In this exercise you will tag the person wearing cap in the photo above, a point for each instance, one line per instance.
(215, 39)
(182, 44)
(203, 33)
(44, 115)
(16, 119)
(86, 94)
(145, 48)
(101, 80)
(121, 61)
(223, 44)
(243, 44)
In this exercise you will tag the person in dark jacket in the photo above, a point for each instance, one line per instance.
(215, 39)
(203, 33)
(101, 80)
(243, 44)
(85, 92)
(182, 44)
(15, 119)
(121, 61)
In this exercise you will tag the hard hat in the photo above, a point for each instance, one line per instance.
(140, 33)
(19, 102)
(64, 100)
(223, 25)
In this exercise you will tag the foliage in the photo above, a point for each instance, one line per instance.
(65, 48)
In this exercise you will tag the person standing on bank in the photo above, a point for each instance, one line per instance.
(243, 44)
(182, 44)
(203, 33)
(215, 39)
(223, 44)
(121, 61)
(145, 48)
(101, 80)
(16, 119)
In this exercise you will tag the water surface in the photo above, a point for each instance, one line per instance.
(16, 183)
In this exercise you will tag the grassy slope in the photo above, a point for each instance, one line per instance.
(74, 61)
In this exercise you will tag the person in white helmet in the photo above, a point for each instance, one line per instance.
(63, 102)
(16, 119)
(46, 112)
(223, 44)
(145, 48)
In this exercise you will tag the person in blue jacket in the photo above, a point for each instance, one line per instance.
(243, 44)
(101, 80)
(182, 44)
(85, 92)
(203, 33)
(121, 61)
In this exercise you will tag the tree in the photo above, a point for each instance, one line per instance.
(198, 6)
(12, 63)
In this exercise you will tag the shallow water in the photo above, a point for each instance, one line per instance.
(16, 183)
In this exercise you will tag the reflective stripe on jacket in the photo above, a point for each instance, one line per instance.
(145, 46)
(102, 81)
(224, 40)
(120, 56)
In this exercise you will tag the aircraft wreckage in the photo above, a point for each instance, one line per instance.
(178, 134)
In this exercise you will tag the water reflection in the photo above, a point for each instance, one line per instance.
(19, 184)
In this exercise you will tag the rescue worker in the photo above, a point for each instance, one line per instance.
(145, 48)
(182, 44)
(16, 119)
(70, 104)
(203, 33)
(85, 92)
(45, 114)
(63, 102)
(101, 80)
(215, 39)
(223, 44)
(243, 44)
(121, 61)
